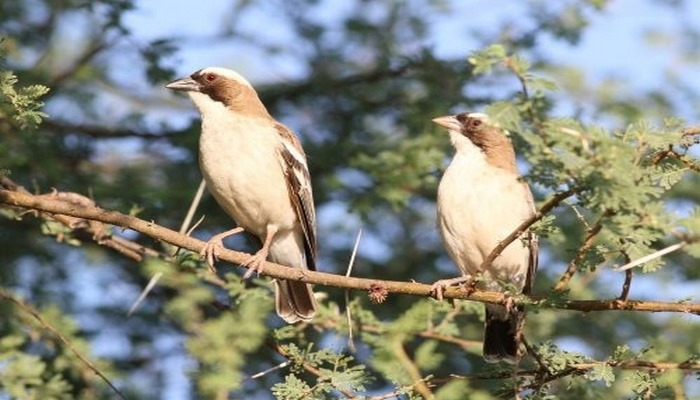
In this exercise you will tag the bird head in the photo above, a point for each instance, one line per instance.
(215, 86)
(475, 130)
(476, 127)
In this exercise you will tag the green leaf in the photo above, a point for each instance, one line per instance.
(292, 388)
(427, 357)
(601, 372)
(484, 60)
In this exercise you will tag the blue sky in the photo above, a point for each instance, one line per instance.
(614, 44)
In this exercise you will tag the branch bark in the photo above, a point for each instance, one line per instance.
(55, 205)
(588, 242)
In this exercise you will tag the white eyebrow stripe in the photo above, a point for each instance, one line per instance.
(227, 73)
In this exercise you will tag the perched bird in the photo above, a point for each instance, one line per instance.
(481, 200)
(256, 169)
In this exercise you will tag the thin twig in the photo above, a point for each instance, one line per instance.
(578, 215)
(308, 367)
(34, 313)
(193, 207)
(652, 256)
(573, 369)
(151, 284)
(626, 286)
(429, 333)
(463, 343)
(534, 354)
(588, 242)
(412, 369)
(260, 374)
(196, 224)
(183, 229)
(525, 225)
(348, 312)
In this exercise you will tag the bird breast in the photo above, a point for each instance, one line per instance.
(240, 164)
(478, 206)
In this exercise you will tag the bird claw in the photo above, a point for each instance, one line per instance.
(254, 264)
(509, 305)
(211, 249)
(210, 253)
(437, 289)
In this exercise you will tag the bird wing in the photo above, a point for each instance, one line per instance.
(298, 180)
(533, 260)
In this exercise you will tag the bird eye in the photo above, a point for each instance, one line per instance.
(474, 123)
(209, 77)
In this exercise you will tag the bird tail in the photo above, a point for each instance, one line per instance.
(502, 334)
(294, 301)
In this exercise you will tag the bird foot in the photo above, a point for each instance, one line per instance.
(509, 305)
(254, 264)
(210, 251)
(438, 288)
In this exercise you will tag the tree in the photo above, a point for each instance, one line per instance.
(615, 173)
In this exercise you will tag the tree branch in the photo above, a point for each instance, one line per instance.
(574, 369)
(101, 132)
(525, 225)
(581, 253)
(91, 229)
(55, 205)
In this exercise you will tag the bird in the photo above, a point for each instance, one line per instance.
(481, 200)
(256, 169)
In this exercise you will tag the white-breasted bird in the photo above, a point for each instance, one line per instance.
(256, 170)
(481, 200)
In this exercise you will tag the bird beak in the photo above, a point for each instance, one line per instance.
(184, 84)
(449, 122)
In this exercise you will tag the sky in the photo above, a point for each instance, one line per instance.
(613, 45)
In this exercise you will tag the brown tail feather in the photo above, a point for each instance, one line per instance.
(294, 301)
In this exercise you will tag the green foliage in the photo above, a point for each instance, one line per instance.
(644, 385)
(21, 104)
(335, 372)
(484, 60)
(362, 92)
(294, 388)
(24, 376)
(154, 54)
(35, 364)
(405, 166)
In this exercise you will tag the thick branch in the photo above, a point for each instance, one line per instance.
(151, 229)
(83, 228)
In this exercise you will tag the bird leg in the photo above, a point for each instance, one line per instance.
(510, 305)
(254, 264)
(210, 251)
(437, 289)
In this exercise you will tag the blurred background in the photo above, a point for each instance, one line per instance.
(358, 81)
